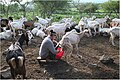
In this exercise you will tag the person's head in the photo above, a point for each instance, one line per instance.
(53, 35)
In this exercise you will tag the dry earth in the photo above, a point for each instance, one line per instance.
(90, 48)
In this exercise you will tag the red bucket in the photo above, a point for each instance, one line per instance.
(60, 54)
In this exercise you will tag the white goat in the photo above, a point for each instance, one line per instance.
(69, 39)
(49, 20)
(103, 30)
(116, 21)
(64, 20)
(34, 31)
(16, 25)
(6, 35)
(55, 23)
(88, 23)
(41, 34)
(93, 25)
(39, 26)
(42, 21)
(102, 21)
(38, 32)
(114, 31)
(82, 24)
(58, 28)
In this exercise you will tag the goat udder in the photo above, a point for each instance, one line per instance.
(12, 62)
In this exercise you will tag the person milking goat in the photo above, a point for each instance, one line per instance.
(47, 49)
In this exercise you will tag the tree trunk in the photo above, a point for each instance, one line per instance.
(90, 14)
(33, 13)
(109, 14)
(80, 13)
(24, 12)
(44, 14)
(4, 11)
(117, 14)
(7, 12)
(49, 14)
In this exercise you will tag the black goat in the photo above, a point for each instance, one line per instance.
(71, 28)
(23, 37)
(4, 22)
(15, 57)
(16, 61)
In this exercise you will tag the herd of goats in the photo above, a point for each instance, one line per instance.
(68, 32)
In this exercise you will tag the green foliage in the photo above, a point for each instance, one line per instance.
(111, 6)
(47, 8)
(59, 9)
(85, 7)
(90, 7)
(14, 8)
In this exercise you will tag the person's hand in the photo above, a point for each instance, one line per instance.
(55, 41)
(57, 46)
(59, 50)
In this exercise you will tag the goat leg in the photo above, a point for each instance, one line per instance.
(12, 73)
(24, 72)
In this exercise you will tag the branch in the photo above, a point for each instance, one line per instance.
(76, 4)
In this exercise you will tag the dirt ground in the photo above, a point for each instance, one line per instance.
(90, 48)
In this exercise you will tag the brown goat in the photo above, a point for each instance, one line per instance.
(29, 24)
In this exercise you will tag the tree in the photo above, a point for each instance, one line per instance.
(14, 8)
(2, 8)
(90, 8)
(5, 6)
(23, 6)
(77, 4)
(111, 6)
(47, 8)
(85, 7)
